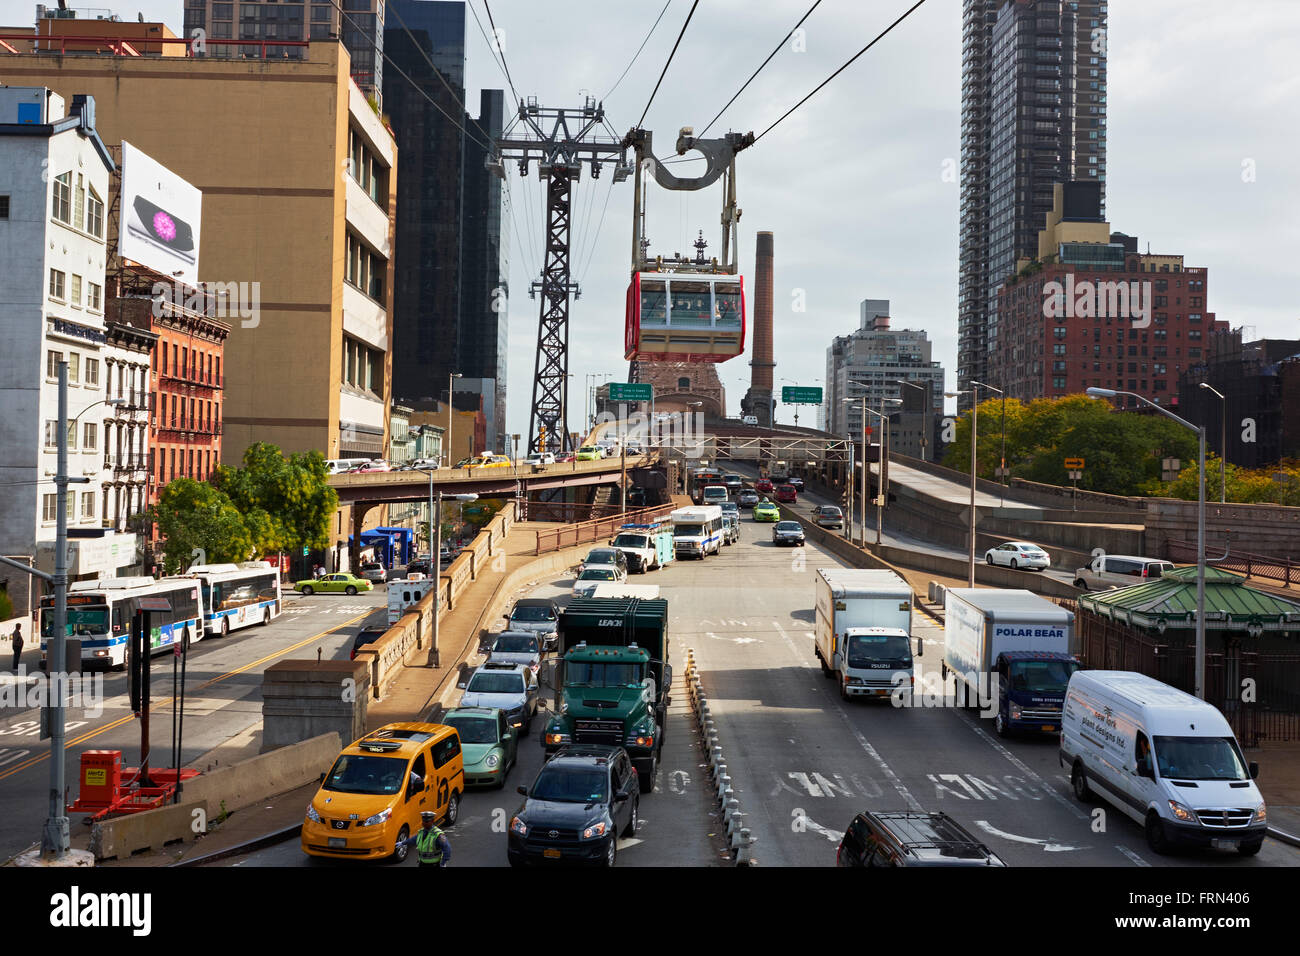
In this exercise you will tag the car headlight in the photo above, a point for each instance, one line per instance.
(518, 826)
(492, 760)
(1180, 812)
(1261, 815)
(595, 830)
(380, 817)
(312, 815)
(556, 738)
(1015, 711)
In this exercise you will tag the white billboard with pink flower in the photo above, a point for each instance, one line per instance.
(159, 218)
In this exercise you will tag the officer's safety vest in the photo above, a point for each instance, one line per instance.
(426, 845)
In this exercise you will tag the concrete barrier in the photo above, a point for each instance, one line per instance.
(230, 788)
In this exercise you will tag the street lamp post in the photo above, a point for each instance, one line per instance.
(1223, 439)
(880, 465)
(451, 414)
(1200, 526)
(435, 555)
(974, 428)
(925, 412)
(1002, 468)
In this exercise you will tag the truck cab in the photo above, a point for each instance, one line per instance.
(648, 546)
(863, 635)
(611, 681)
(1031, 691)
(869, 659)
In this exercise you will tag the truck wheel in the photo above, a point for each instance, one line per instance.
(1000, 725)
(826, 671)
(1081, 584)
(844, 690)
(1079, 783)
(1250, 849)
(645, 772)
(1155, 831)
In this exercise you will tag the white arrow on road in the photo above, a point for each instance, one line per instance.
(734, 640)
(1046, 845)
(818, 828)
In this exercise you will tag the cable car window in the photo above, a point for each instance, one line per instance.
(654, 303)
(692, 304)
(728, 306)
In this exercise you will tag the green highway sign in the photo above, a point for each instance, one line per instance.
(629, 392)
(801, 395)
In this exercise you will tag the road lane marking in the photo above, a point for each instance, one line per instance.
(1137, 860)
(1027, 771)
(1045, 844)
(68, 745)
(831, 835)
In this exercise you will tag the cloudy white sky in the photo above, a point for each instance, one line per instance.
(1202, 149)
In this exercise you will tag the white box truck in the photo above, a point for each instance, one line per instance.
(697, 531)
(1023, 639)
(863, 635)
(1164, 758)
(405, 593)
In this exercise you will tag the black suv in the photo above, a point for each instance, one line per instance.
(583, 799)
(907, 838)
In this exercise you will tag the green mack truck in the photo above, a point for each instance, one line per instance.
(611, 679)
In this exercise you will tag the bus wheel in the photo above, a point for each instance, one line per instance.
(266, 617)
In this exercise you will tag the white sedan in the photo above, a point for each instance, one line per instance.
(541, 458)
(1019, 554)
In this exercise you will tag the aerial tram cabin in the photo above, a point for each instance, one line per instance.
(685, 317)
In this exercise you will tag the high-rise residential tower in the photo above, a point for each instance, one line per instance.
(1033, 115)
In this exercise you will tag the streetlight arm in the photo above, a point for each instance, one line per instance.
(1111, 393)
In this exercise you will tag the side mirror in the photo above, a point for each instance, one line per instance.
(322, 775)
(621, 796)
(1254, 771)
(523, 791)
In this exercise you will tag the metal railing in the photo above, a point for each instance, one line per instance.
(1250, 564)
(553, 539)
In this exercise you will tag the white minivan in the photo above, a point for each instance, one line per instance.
(1166, 759)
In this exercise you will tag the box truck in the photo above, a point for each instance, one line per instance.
(863, 635)
(1009, 648)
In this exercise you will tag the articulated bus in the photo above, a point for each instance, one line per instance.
(237, 595)
(100, 615)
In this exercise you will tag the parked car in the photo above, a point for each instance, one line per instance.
(597, 557)
(590, 453)
(583, 799)
(747, 498)
(786, 494)
(341, 583)
(911, 838)
(512, 687)
(517, 647)
(367, 635)
(764, 486)
(1019, 554)
(828, 516)
(540, 458)
(489, 745)
(374, 572)
(766, 511)
(1119, 571)
(539, 616)
(787, 532)
(588, 579)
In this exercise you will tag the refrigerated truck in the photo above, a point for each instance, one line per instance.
(863, 635)
(1023, 639)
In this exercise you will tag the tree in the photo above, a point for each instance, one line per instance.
(1279, 484)
(199, 523)
(287, 501)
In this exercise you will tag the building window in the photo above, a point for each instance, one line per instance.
(87, 504)
(4, 206)
(91, 376)
(74, 368)
(62, 211)
(90, 437)
(52, 360)
(49, 508)
(51, 434)
(75, 297)
(94, 296)
(95, 215)
(57, 279)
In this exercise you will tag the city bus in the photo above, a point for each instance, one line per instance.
(100, 615)
(701, 477)
(237, 595)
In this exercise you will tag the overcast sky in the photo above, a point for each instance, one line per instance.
(1201, 157)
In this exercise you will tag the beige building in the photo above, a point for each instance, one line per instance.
(299, 197)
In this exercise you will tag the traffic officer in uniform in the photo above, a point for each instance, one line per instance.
(431, 845)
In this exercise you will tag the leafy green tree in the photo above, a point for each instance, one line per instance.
(194, 516)
(1278, 484)
(6, 606)
(287, 501)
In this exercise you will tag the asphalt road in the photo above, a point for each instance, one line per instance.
(222, 700)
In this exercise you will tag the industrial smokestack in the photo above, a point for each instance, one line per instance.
(759, 399)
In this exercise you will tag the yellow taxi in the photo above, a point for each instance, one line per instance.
(489, 460)
(372, 798)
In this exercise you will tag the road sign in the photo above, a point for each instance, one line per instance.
(154, 604)
(1073, 464)
(801, 394)
(1075, 475)
(630, 392)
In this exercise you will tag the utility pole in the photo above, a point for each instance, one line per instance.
(560, 141)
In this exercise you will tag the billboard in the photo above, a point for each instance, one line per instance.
(160, 217)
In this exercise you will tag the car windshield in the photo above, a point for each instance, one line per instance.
(597, 574)
(1200, 758)
(588, 448)
(532, 614)
(788, 526)
(571, 785)
(515, 644)
(485, 683)
(830, 512)
(1042, 677)
(600, 674)
(474, 730)
(363, 773)
(688, 530)
(867, 649)
(1030, 547)
(630, 541)
(602, 557)
(80, 622)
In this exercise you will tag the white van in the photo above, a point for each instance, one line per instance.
(697, 532)
(1119, 571)
(404, 594)
(338, 466)
(1164, 758)
(715, 494)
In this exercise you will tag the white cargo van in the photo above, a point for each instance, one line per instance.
(697, 532)
(1164, 758)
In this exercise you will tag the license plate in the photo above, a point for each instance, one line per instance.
(881, 693)
(551, 854)
(337, 843)
(1225, 844)
(1048, 728)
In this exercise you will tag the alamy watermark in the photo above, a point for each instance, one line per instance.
(1088, 299)
(684, 430)
(222, 300)
(36, 690)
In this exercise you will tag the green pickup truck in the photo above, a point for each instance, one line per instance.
(612, 678)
